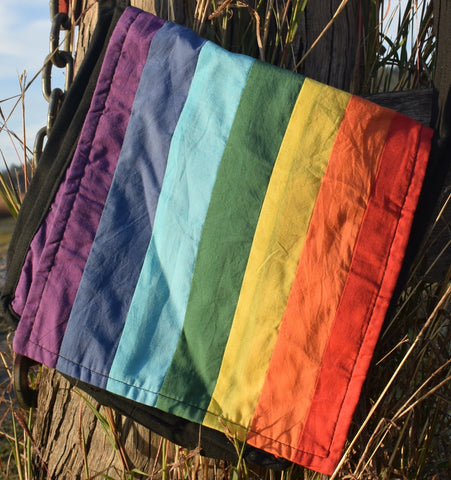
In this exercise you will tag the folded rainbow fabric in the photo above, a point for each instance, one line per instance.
(225, 242)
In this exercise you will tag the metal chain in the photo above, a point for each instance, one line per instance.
(26, 396)
(59, 59)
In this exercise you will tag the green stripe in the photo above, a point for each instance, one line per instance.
(249, 156)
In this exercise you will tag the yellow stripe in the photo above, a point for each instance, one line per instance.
(277, 246)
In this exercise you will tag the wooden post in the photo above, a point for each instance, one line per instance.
(333, 59)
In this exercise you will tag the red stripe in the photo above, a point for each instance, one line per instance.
(374, 271)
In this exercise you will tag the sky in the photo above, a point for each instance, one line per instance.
(24, 44)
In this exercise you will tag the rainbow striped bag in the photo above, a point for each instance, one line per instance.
(222, 247)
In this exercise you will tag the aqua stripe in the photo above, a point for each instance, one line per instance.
(157, 311)
(243, 176)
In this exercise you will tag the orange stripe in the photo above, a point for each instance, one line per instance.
(320, 278)
(374, 271)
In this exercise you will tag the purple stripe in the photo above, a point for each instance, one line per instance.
(75, 214)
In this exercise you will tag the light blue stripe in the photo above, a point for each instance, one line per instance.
(158, 307)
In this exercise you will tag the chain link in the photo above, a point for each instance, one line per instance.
(61, 21)
(59, 59)
(47, 73)
(39, 144)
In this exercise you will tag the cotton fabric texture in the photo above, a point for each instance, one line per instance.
(225, 242)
